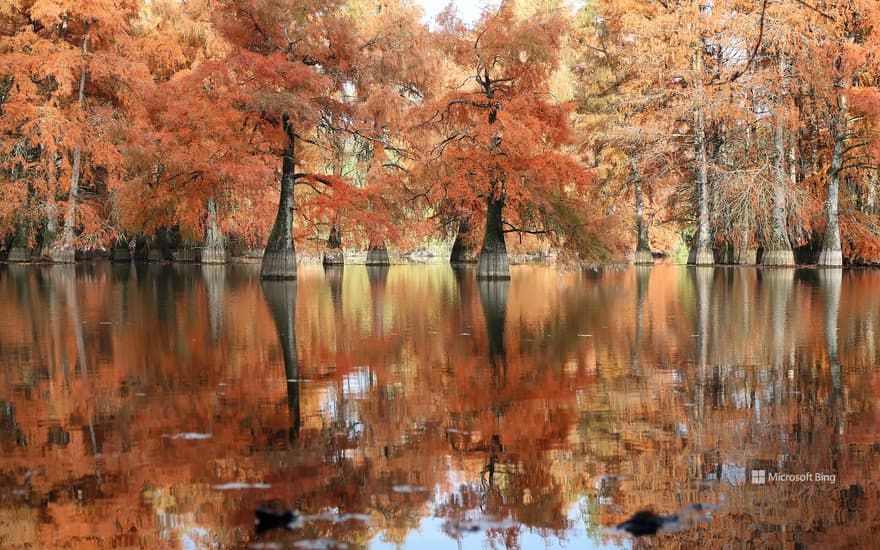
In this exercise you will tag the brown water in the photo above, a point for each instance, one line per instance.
(158, 406)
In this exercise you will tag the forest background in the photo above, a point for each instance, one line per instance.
(728, 131)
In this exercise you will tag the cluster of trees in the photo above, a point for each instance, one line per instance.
(746, 128)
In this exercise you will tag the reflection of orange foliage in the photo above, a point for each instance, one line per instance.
(625, 390)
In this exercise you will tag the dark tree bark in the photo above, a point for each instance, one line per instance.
(377, 254)
(461, 252)
(279, 259)
(334, 254)
(493, 262)
(21, 251)
(121, 252)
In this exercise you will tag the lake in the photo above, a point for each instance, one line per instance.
(157, 406)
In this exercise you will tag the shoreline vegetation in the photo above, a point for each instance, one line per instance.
(193, 256)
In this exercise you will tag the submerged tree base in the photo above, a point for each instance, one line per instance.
(780, 258)
(62, 254)
(156, 255)
(120, 253)
(830, 258)
(185, 255)
(215, 255)
(20, 255)
(701, 255)
(461, 253)
(643, 257)
(745, 256)
(335, 257)
(378, 256)
(278, 264)
(493, 266)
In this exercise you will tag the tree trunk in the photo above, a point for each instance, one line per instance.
(121, 252)
(777, 249)
(64, 251)
(215, 244)
(871, 194)
(462, 252)
(279, 259)
(701, 250)
(377, 253)
(50, 232)
(746, 253)
(21, 251)
(831, 254)
(334, 254)
(493, 262)
(642, 254)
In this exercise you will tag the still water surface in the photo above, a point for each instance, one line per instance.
(157, 406)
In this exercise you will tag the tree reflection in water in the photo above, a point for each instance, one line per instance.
(414, 404)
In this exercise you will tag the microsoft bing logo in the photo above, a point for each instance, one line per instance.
(759, 477)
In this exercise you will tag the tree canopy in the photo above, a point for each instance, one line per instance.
(742, 132)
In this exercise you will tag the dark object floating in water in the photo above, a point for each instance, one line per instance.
(271, 519)
(646, 523)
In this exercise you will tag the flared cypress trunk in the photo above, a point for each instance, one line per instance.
(701, 250)
(63, 251)
(377, 253)
(831, 254)
(493, 263)
(462, 252)
(642, 254)
(121, 252)
(745, 253)
(215, 251)
(279, 258)
(21, 251)
(50, 232)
